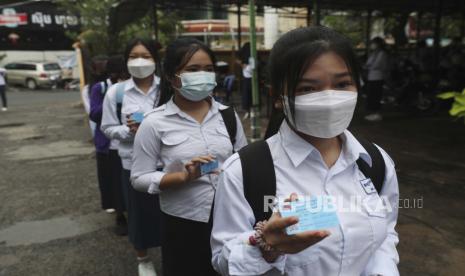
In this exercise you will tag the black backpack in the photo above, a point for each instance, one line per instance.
(259, 177)
(229, 119)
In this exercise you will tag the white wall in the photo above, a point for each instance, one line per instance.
(271, 20)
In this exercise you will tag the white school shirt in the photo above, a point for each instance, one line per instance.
(247, 71)
(173, 137)
(85, 97)
(114, 143)
(377, 66)
(363, 244)
(134, 101)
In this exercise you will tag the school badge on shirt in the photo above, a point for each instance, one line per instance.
(368, 186)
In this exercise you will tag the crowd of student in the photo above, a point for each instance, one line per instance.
(158, 127)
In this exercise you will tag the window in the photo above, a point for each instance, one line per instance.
(52, 67)
(11, 66)
(30, 67)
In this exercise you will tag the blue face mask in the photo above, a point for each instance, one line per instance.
(197, 86)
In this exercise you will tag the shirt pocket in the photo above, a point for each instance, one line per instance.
(175, 146)
(174, 139)
(377, 216)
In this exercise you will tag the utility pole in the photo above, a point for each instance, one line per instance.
(239, 27)
(368, 32)
(155, 19)
(255, 112)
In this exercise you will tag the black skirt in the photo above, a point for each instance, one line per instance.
(143, 216)
(104, 181)
(115, 174)
(186, 247)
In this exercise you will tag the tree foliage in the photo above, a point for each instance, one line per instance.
(95, 31)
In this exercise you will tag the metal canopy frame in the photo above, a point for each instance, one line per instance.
(449, 6)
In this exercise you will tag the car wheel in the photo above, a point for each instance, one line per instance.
(31, 84)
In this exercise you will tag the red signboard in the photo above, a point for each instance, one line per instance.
(13, 19)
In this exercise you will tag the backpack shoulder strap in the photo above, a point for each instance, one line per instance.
(119, 99)
(229, 118)
(377, 170)
(259, 179)
(120, 92)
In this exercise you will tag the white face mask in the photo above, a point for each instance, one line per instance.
(324, 114)
(141, 68)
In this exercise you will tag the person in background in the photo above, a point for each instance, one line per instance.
(108, 161)
(186, 132)
(377, 70)
(244, 55)
(136, 96)
(3, 89)
(97, 74)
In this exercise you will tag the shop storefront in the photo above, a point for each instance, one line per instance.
(36, 26)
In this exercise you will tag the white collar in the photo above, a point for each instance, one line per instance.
(298, 149)
(131, 85)
(171, 108)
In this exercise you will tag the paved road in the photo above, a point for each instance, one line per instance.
(50, 220)
(51, 224)
(19, 97)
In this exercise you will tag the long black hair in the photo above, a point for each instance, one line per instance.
(177, 55)
(116, 67)
(244, 53)
(151, 45)
(98, 72)
(296, 50)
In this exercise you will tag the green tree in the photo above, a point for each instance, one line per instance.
(94, 22)
(96, 32)
(348, 23)
(169, 25)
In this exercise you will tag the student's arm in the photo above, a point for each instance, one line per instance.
(85, 98)
(96, 101)
(111, 126)
(385, 259)
(144, 174)
(233, 221)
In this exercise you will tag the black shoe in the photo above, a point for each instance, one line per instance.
(121, 228)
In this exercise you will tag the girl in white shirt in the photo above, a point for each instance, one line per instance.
(314, 72)
(138, 95)
(186, 132)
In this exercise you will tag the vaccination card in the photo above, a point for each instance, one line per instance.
(314, 213)
(137, 117)
(208, 167)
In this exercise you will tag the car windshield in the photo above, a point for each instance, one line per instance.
(51, 67)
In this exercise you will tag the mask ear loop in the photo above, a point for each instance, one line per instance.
(177, 89)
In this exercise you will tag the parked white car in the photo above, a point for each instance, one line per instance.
(33, 74)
